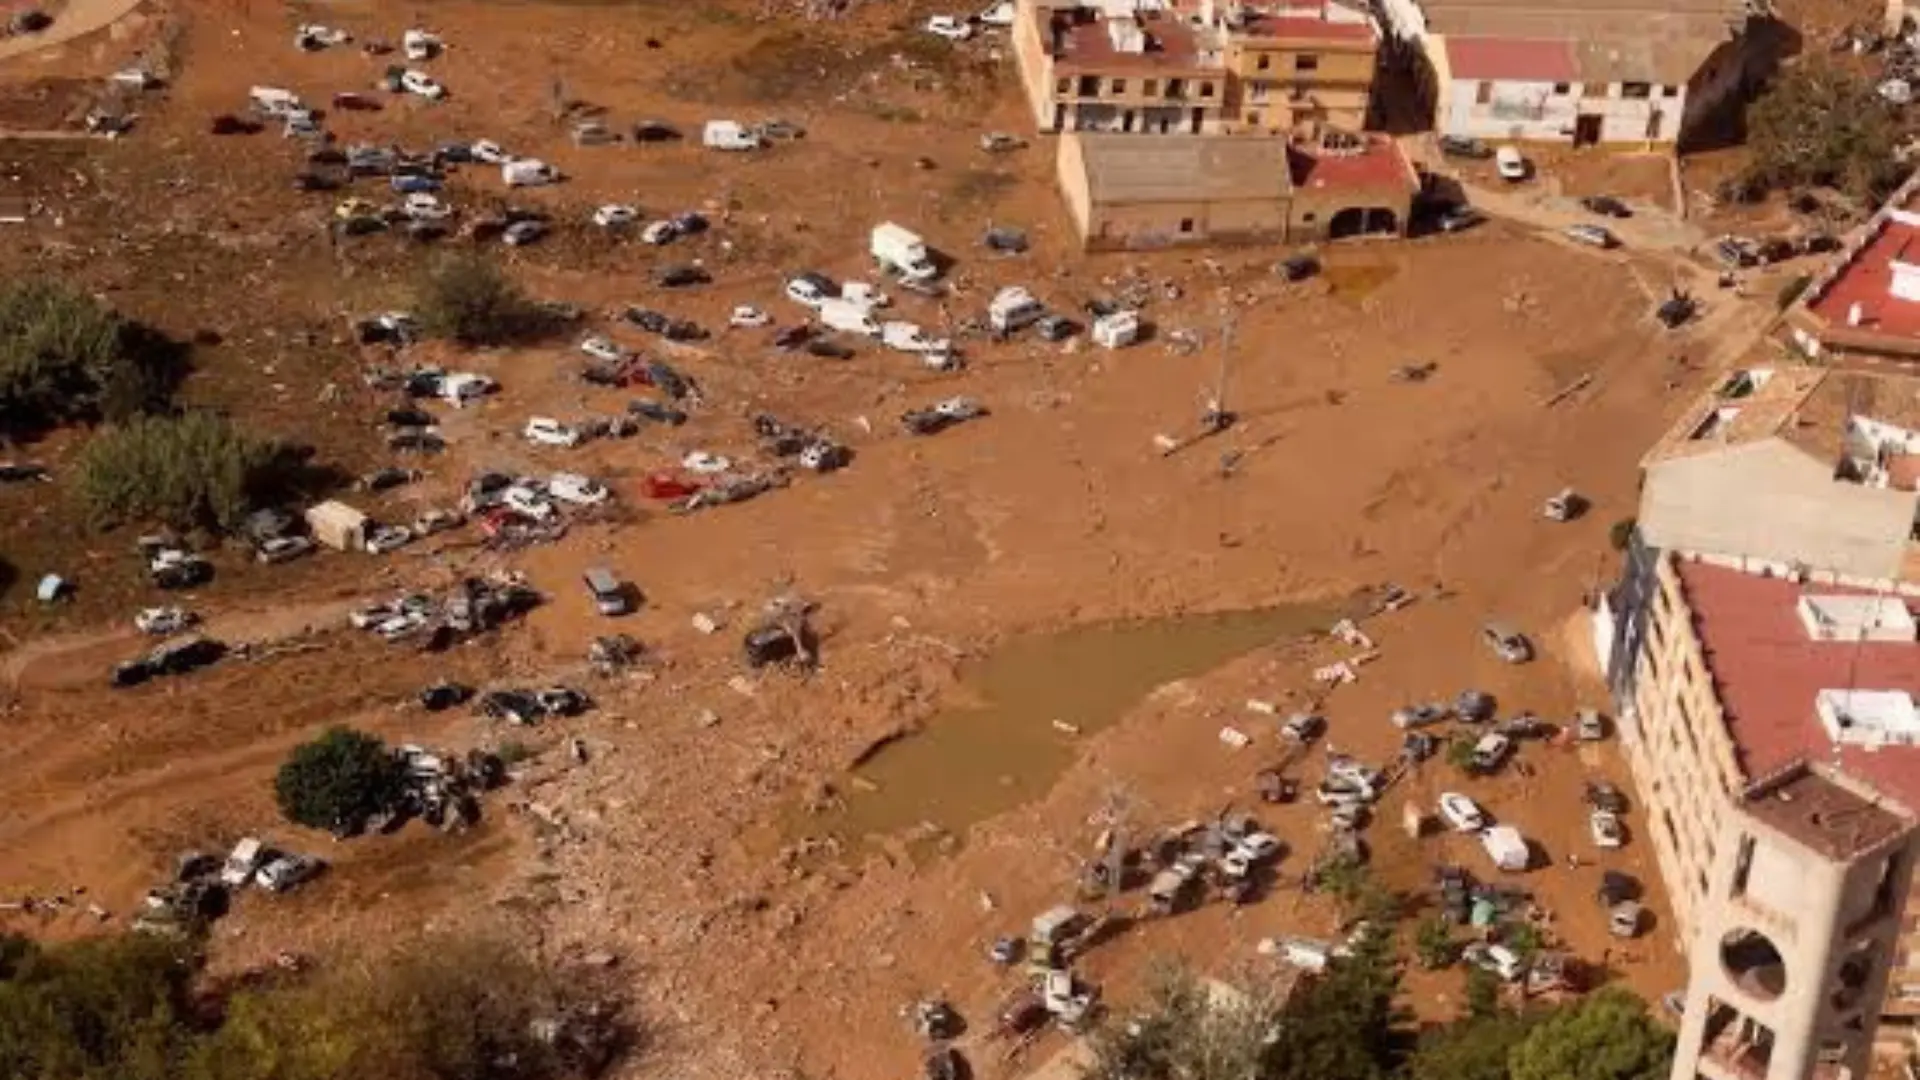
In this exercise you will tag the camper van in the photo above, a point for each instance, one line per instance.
(904, 251)
(1013, 308)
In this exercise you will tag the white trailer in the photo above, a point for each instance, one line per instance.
(845, 315)
(1506, 847)
(903, 250)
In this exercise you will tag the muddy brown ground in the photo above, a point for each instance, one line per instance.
(1054, 511)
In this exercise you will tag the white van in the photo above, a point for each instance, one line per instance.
(1013, 308)
(897, 247)
(241, 865)
(838, 314)
(728, 135)
(528, 172)
(1118, 330)
(274, 101)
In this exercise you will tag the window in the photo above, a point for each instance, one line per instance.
(1594, 89)
(1669, 91)
(1150, 87)
(1206, 89)
(1307, 218)
(1089, 86)
(1306, 62)
(1483, 93)
(1119, 86)
(1257, 91)
(1636, 90)
(1742, 866)
(1263, 63)
(1176, 88)
(1064, 86)
(1561, 89)
(1186, 224)
(1253, 119)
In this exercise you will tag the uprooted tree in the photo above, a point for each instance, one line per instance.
(65, 357)
(473, 302)
(195, 470)
(1822, 124)
(338, 780)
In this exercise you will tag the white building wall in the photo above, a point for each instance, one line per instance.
(1513, 110)
(1627, 120)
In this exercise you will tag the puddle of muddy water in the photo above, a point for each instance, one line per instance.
(1002, 749)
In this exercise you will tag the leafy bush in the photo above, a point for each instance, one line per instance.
(436, 1009)
(1607, 1036)
(1821, 123)
(1433, 942)
(191, 471)
(469, 299)
(64, 357)
(338, 780)
(109, 1009)
(1183, 1034)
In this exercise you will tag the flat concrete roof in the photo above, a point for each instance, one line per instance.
(1823, 814)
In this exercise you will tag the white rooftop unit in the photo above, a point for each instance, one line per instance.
(1869, 718)
(1834, 617)
(1127, 36)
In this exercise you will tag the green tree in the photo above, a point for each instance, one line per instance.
(470, 300)
(1460, 753)
(1483, 992)
(1343, 1025)
(1470, 1048)
(338, 780)
(1433, 942)
(1185, 1033)
(65, 357)
(1607, 1036)
(1523, 939)
(1822, 123)
(106, 1009)
(195, 470)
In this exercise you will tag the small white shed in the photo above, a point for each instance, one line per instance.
(338, 526)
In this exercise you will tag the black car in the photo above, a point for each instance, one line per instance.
(315, 181)
(1606, 206)
(656, 412)
(669, 381)
(690, 223)
(1056, 328)
(680, 277)
(792, 337)
(770, 644)
(1298, 268)
(1675, 311)
(655, 131)
(653, 322)
(1462, 147)
(444, 695)
(229, 124)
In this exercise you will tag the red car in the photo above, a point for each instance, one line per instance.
(666, 486)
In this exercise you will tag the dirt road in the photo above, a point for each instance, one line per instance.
(77, 19)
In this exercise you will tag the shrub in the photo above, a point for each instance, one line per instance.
(1821, 123)
(109, 1009)
(1607, 1036)
(65, 357)
(191, 471)
(470, 300)
(1433, 942)
(338, 781)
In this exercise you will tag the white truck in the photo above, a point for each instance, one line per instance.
(848, 316)
(902, 250)
(1506, 847)
(728, 135)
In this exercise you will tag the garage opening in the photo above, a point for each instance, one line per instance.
(1363, 221)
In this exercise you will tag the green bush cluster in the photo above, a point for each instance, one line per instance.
(338, 781)
(471, 301)
(64, 357)
(1821, 123)
(195, 470)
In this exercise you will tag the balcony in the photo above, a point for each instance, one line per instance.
(1747, 1058)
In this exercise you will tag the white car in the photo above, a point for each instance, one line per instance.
(999, 14)
(488, 151)
(420, 44)
(286, 872)
(1605, 829)
(423, 84)
(1509, 164)
(550, 432)
(160, 621)
(702, 462)
(615, 216)
(1253, 849)
(807, 292)
(951, 27)
(1461, 813)
(748, 317)
(421, 206)
(660, 232)
(603, 348)
(574, 488)
(524, 500)
(867, 296)
(385, 538)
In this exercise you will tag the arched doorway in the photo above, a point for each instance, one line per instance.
(1362, 221)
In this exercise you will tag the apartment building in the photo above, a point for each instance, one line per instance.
(1204, 68)
(1766, 617)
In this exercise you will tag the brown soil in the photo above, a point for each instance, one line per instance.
(1053, 511)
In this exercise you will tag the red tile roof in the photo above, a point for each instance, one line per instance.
(1864, 280)
(1086, 44)
(1512, 60)
(1381, 164)
(1294, 24)
(1766, 672)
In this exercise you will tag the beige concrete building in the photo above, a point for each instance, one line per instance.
(1766, 617)
(1199, 68)
(1123, 192)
